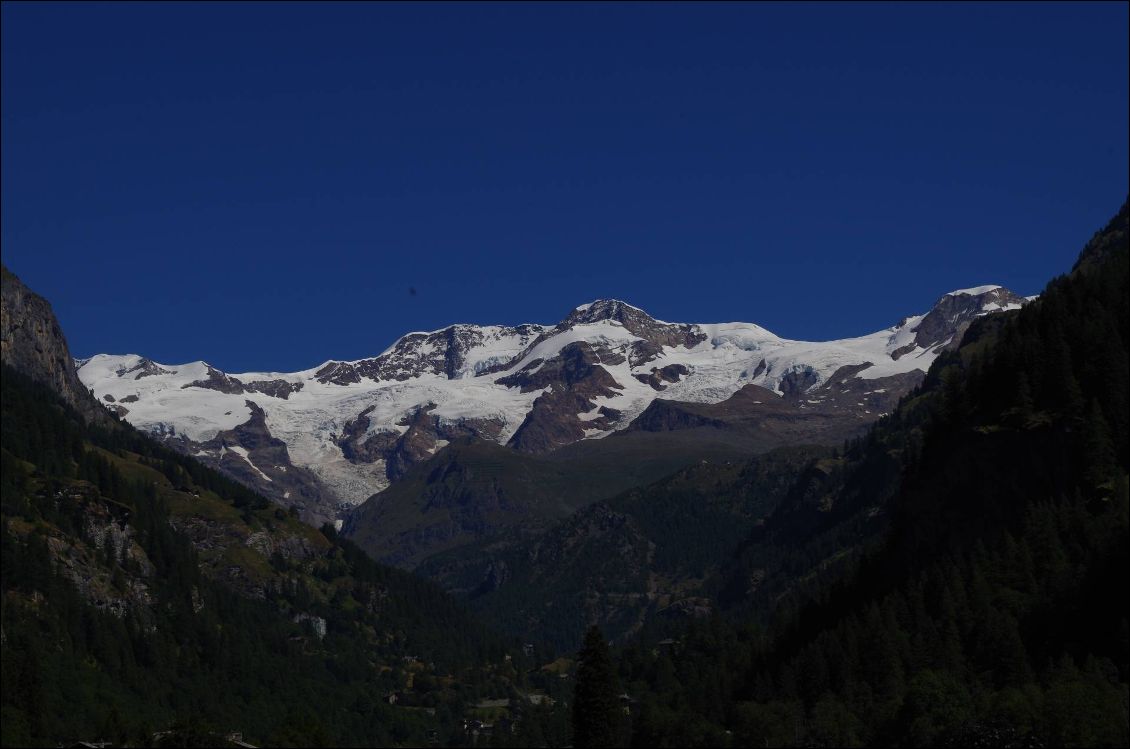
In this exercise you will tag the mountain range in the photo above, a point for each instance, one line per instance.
(327, 438)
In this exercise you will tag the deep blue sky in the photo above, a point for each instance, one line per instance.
(260, 185)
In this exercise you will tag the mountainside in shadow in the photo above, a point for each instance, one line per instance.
(475, 492)
(956, 577)
(648, 552)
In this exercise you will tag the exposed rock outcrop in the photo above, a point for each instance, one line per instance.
(253, 456)
(32, 342)
(425, 434)
(563, 413)
(947, 321)
(660, 375)
(444, 352)
(654, 334)
(225, 383)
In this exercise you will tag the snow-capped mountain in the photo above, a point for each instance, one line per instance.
(329, 437)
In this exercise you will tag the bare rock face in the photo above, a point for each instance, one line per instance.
(947, 321)
(274, 388)
(225, 383)
(660, 375)
(574, 378)
(219, 382)
(576, 367)
(636, 322)
(554, 422)
(80, 557)
(360, 447)
(841, 407)
(32, 343)
(251, 455)
(144, 368)
(798, 381)
(339, 373)
(417, 444)
(641, 352)
(292, 548)
(654, 334)
(425, 435)
(443, 352)
(566, 412)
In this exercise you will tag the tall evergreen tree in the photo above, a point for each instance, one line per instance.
(596, 717)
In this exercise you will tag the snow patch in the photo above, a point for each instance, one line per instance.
(242, 452)
(975, 291)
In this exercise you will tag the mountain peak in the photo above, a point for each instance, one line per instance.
(949, 318)
(976, 290)
(614, 310)
(980, 299)
(606, 309)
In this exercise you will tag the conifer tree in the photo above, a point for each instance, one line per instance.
(595, 714)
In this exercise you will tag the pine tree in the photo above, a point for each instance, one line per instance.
(1100, 456)
(595, 712)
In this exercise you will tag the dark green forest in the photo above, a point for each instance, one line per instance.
(990, 610)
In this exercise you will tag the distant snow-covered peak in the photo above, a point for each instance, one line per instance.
(605, 309)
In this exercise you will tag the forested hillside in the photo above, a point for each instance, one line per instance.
(989, 608)
(143, 593)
